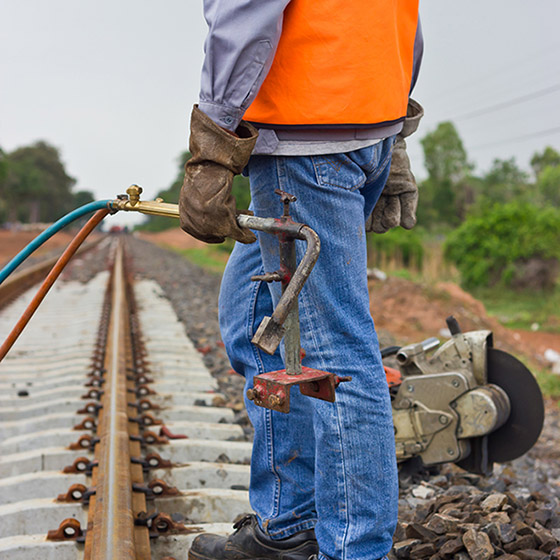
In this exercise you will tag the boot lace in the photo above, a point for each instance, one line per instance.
(245, 520)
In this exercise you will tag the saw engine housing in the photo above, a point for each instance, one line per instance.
(468, 403)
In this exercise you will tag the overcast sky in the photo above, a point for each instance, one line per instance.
(111, 82)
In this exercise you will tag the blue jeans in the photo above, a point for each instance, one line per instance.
(330, 466)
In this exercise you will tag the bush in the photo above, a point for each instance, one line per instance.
(489, 248)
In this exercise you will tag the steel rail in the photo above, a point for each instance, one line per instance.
(113, 534)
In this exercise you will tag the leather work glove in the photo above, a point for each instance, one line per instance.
(206, 206)
(398, 201)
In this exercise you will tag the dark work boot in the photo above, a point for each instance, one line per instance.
(248, 542)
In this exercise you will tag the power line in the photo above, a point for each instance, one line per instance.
(500, 70)
(509, 103)
(539, 133)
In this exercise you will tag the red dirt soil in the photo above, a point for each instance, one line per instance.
(12, 242)
(174, 237)
(413, 312)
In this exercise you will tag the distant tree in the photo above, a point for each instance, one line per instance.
(548, 186)
(20, 189)
(37, 183)
(82, 197)
(449, 188)
(444, 154)
(546, 167)
(549, 157)
(505, 182)
(3, 166)
(240, 191)
(171, 194)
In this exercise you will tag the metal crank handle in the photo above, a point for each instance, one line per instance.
(271, 330)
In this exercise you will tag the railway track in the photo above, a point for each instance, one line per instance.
(111, 443)
(114, 443)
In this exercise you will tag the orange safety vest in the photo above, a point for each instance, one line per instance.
(340, 62)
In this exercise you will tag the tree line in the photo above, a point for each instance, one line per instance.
(35, 187)
(503, 227)
(505, 212)
(452, 191)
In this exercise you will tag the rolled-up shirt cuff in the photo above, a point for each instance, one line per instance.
(226, 117)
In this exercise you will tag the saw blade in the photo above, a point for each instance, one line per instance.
(525, 422)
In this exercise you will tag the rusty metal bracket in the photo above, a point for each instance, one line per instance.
(77, 493)
(152, 461)
(146, 419)
(151, 438)
(164, 524)
(81, 465)
(95, 381)
(86, 441)
(156, 488)
(88, 423)
(92, 394)
(91, 408)
(272, 390)
(69, 530)
(144, 404)
(144, 390)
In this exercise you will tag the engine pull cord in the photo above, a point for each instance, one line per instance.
(50, 279)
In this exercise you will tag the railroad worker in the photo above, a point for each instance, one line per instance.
(322, 88)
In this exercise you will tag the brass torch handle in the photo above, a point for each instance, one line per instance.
(153, 207)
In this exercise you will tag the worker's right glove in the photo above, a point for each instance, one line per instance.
(398, 201)
(206, 206)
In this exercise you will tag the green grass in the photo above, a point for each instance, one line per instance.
(549, 383)
(404, 273)
(520, 310)
(211, 258)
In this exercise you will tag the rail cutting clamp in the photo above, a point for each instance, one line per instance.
(272, 389)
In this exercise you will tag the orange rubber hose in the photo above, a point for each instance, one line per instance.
(49, 281)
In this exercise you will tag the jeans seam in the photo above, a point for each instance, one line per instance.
(374, 154)
(281, 172)
(268, 413)
(381, 166)
(343, 484)
(344, 492)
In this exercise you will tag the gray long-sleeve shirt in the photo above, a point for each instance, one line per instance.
(239, 50)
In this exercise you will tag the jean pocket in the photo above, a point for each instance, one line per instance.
(338, 170)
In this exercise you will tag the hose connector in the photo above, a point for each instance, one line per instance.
(130, 202)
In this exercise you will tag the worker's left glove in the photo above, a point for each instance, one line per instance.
(207, 208)
(398, 201)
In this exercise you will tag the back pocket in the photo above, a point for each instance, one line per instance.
(338, 170)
